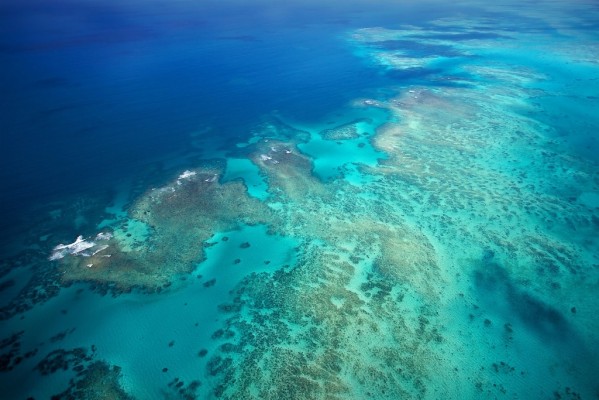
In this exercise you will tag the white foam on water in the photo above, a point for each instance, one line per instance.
(79, 247)
(100, 248)
(104, 236)
(75, 248)
(186, 174)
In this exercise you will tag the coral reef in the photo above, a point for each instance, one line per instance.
(475, 228)
(93, 379)
(342, 132)
(172, 225)
(313, 337)
(99, 380)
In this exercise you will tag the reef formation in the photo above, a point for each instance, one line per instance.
(466, 231)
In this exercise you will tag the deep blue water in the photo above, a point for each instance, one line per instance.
(91, 92)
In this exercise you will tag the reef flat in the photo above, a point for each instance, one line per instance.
(168, 226)
(436, 239)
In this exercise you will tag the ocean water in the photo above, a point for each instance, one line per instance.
(300, 200)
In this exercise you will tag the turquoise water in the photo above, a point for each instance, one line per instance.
(244, 169)
(331, 154)
(299, 201)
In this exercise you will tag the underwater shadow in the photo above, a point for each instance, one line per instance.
(493, 283)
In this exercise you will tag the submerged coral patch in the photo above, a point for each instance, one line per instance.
(165, 234)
